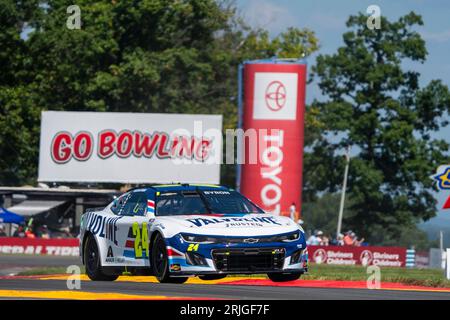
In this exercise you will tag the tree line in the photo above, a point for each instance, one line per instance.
(183, 57)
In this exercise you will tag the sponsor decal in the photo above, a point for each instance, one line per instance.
(104, 227)
(217, 192)
(175, 267)
(110, 255)
(151, 206)
(234, 221)
(193, 247)
(136, 245)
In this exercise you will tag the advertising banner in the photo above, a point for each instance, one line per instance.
(53, 247)
(422, 259)
(365, 256)
(130, 147)
(273, 108)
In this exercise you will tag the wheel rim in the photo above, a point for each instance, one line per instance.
(92, 256)
(160, 258)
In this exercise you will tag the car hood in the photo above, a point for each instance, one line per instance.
(230, 224)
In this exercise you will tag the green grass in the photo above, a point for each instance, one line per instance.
(421, 277)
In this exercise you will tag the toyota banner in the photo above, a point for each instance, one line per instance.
(273, 105)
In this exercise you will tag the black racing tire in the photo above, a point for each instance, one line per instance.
(208, 277)
(92, 262)
(283, 277)
(160, 263)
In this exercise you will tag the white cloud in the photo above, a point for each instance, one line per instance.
(327, 21)
(441, 37)
(268, 15)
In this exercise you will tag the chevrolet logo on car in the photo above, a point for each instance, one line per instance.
(251, 240)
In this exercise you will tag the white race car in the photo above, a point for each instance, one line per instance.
(177, 231)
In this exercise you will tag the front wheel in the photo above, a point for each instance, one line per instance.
(283, 277)
(92, 262)
(160, 262)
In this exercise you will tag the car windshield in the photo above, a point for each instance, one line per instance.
(203, 202)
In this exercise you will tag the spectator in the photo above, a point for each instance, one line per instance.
(19, 233)
(340, 240)
(29, 233)
(356, 242)
(314, 239)
(333, 242)
(293, 212)
(324, 241)
(45, 234)
(348, 240)
(2, 230)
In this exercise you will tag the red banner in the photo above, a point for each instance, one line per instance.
(365, 256)
(55, 247)
(274, 103)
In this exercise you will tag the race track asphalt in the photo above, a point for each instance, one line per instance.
(13, 264)
(195, 291)
(221, 291)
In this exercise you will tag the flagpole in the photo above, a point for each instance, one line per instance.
(344, 188)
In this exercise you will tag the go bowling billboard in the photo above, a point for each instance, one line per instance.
(273, 103)
(130, 147)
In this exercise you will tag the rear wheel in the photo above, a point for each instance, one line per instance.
(92, 262)
(160, 263)
(283, 277)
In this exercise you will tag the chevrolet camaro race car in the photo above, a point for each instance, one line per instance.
(177, 231)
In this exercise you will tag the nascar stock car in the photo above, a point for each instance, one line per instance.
(177, 231)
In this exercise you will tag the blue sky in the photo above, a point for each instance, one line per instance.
(327, 18)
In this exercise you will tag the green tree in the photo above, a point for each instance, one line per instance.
(141, 56)
(322, 214)
(18, 112)
(375, 105)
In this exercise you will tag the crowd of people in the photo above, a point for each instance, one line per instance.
(32, 232)
(318, 238)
